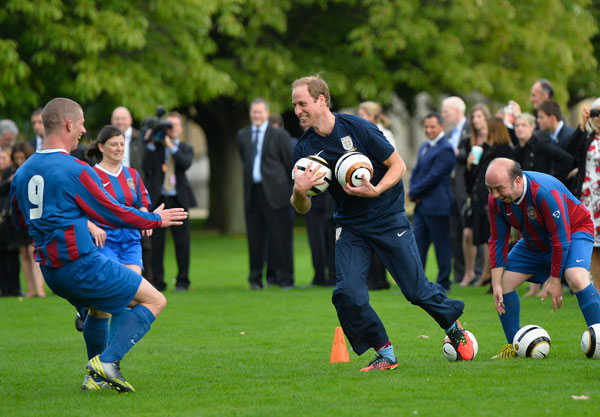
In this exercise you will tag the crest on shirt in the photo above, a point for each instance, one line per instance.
(130, 183)
(556, 214)
(347, 143)
(531, 212)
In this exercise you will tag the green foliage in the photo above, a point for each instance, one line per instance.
(221, 350)
(140, 53)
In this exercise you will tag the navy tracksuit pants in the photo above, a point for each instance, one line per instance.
(395, 244)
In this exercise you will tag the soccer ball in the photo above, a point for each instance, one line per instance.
(351, 167)
(316, 160)
(452, 354)
(590, 341)
(532, 341)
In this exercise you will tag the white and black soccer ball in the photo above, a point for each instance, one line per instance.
(351, 167)
(316, 160)
(452, 354)
(532, 341)
(590, 341)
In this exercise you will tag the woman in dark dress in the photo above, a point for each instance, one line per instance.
(497, 145)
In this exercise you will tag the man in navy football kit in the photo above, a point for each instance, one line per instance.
(556, 242)
(53, 195)
(369, 218)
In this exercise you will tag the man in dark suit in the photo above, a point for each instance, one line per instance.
(266, 154)
(431, 191)
(550, 119)
(134, 146)
(165, 162)
(38, 128)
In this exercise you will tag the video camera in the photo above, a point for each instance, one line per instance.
(156, 125)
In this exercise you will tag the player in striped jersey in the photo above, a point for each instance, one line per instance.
(556, 243)
(53, 195)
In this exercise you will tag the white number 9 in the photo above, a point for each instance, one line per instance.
(35, 192)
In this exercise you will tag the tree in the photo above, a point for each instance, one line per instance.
(209, 58)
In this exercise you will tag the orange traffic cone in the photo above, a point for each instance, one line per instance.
(339, 351)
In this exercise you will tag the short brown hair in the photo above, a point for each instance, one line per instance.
(316, 87)
(57, 111)
(551, 108)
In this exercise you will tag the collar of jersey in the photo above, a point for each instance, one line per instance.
(113, 174)
(524, 190)
(51, 150)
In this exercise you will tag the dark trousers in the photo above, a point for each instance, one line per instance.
(434, 229)
(147, 258)
(181, 240)
(321, 238)
(10, 268)
(396, 246)
(263, 221)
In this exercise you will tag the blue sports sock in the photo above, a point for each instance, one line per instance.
(134, 326)
(115, 322)
(453, 327)
(95, 332)
(589, 303)
(512, 316)
(388, 353)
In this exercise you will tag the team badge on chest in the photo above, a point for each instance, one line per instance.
(347, 143)
(130, 183)
(531, 212)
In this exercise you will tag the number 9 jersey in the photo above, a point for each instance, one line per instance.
(53, 194)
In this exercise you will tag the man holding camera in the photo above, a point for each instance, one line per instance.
(166, 159)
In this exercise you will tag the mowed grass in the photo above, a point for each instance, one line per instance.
(222, 350)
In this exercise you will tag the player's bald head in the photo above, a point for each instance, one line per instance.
(503, 168)
(57, 112)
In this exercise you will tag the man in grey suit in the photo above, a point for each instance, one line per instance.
(453, 113)
(266, 154)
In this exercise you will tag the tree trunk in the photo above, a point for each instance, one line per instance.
(221, 120)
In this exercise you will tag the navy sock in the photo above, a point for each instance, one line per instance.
(115, 322)
(511, 318)
(134, 326)
(95, 332)
(589, 303)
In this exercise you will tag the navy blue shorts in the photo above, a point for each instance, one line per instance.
(532, 262)
(93, 280)
(123, 246)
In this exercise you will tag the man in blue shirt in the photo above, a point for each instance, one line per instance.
(53, 195)
(369, 218)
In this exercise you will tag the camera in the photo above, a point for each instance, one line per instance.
(594, 112)
(156, 125)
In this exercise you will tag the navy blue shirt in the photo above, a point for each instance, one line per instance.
(355, 133)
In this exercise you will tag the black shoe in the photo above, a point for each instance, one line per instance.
(181, 288)
(160, 286)
(287, 286)
(255, 286)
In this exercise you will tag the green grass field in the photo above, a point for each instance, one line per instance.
(221, 350)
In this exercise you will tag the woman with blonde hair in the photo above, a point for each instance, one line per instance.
(371, 111)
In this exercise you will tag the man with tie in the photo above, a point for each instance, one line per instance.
(165, 162)
(266, 154)
(430, 190)
(550, 119)
(38, 128)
